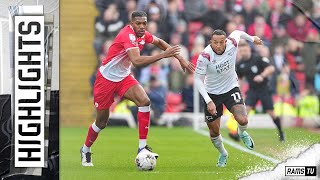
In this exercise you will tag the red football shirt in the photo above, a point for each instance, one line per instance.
(117, 65)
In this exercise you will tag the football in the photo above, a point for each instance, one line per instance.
(146, 161)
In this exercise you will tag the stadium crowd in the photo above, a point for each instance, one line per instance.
(289, 29)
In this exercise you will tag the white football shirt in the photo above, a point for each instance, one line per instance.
(219, 70)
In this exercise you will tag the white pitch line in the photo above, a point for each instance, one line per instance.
(237, 146)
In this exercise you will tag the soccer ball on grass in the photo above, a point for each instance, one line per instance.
(146, 161)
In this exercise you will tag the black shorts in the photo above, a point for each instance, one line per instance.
(229, 99)
(264, 95)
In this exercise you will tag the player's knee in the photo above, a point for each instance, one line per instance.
(214, 132)
(242, 120)
(101, 122)
(144, 102)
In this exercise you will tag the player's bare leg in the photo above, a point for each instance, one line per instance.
(277, 122)
(94, 129)
(137, 94)
(217, 141)
(240, 115)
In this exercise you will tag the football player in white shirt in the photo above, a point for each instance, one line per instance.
(216, 67)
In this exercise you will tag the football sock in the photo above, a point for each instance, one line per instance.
(218, 143)
(143, 123)
(91, 137)
(277, 122)
(241, 129)
(142, 143)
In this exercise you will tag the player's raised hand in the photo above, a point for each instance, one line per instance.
(212, 108)
(257, 40)
(172, 51)
(186, 65)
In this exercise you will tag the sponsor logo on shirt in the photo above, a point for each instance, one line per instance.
(142, 42)
(222, 67)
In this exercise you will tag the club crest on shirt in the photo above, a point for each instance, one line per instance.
(132, 38)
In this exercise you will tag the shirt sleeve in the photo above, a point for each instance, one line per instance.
(198, 82)
(148, 37)
(199, 75)
(237, 35)
(264, 62)
(202, 62)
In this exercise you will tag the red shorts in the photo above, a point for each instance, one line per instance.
(104, 90)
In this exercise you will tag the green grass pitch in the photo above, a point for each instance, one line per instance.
(183, 153)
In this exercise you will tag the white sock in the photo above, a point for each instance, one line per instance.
(142, 143)
(95, 128)
(241, 129)
(86, 149)
(218, 143)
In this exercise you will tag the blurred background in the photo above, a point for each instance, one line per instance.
(289, 29)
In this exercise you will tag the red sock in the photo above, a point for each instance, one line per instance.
(143, 121)
(91, 137)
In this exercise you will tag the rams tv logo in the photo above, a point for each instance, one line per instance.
(301, 170)
(29, 103)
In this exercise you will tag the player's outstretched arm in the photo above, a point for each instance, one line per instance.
(137, 60)
(243, 35)
(257, 40)
(185, 65)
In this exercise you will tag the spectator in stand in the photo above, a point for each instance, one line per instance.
(173, 16)
(111, 21)
(261, 29)
(175, 39)
(194, 9)
(277, 16)
(102, 5)
(154, 14)
(187, 94)
(158, 69)
(280, 37)
(230, 27)
(157, 94)
(248, 12)
(145, 5)
(293, 55)
(309, 55)
(176, 77)
(239, 20)
(214, 17)
(181, 28)
(197, 48)
(129, 7)
(107, 25)
(298, 27)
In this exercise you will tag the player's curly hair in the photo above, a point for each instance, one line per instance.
(138, 14)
